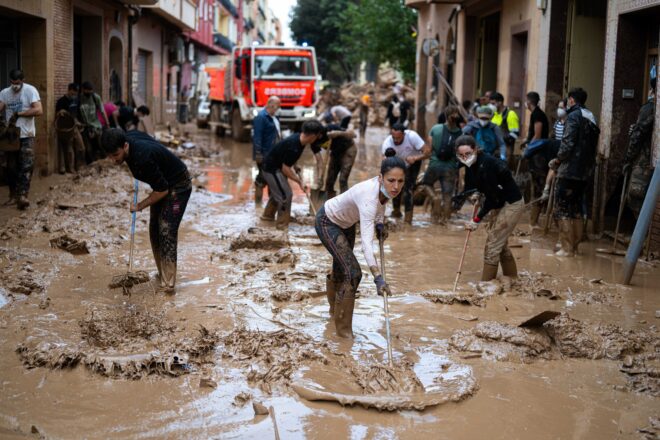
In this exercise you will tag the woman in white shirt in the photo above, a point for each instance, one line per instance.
(335, 226)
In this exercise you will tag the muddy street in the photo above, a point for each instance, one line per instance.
(249, 324)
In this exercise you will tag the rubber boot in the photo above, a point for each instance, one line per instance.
(258, 193)
(509, 267)
(268, 214)
(489, 272)
(534, 213)
(331, 292)
(566, 238)
(577, 227)
(70, 160)
(446, 206)
(408, 217)
(283, 219)
(396, 213)
(344, 312)
(60, 157)
(22, 203)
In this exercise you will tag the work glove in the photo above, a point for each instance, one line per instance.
(381, 286)
(471, 225)
(381, 232)
(554, 164)
(259, 158)
(546, 193)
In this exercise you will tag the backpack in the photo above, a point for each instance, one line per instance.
(447, 148)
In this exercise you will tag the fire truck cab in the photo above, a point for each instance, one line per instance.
(241, 88)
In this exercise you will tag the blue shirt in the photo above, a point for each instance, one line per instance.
(265, 134)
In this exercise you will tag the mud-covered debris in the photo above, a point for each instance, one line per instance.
(116, 326)
(270, 357)
(379, 378)
(71, 245)
(242, 398)
(53, 355)
(290, 295)
(304, 219)
(128, 280)
(594, 341)
(282, 256)
(259, 409)
(477, 297)
(207, 382)
(652, 431)
(642, 374)
(498, 341)
(258, 238)
(137, 365)
(44, 303)
(24, 283)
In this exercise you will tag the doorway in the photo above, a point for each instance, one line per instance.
(9, 48)
(116, 69)
(518, 73)
(487, 53)
(87, 50)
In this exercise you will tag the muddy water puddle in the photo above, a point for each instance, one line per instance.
(259, 298)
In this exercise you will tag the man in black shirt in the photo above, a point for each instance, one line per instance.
(342, 150)
(278, 167)
(128, 118)
(168, 176)
(71, 149)
(538, 129)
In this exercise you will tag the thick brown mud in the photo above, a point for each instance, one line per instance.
(248, 326)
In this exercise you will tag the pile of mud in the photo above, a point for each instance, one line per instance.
(477, 297)
(258, 238)
(271, 358)
(71, 245)
(643, 373)
(502, 342)
(379, 378)
(124, 344)
(128, 280)
(561, 336)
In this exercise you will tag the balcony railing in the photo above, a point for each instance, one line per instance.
(229, 6)
(223, 42)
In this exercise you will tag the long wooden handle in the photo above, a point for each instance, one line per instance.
(622, 203)
(133, 216)
(387, 309)
(465, 245)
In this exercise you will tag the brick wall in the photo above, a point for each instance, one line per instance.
(62, 45)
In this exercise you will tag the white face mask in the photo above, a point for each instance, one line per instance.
(469, 161)
(385, 192)
(561, 113)
(483, 123)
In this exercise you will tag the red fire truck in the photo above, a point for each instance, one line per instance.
(240, 89)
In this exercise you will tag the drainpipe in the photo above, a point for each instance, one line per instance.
(133, 16)
(641, 228)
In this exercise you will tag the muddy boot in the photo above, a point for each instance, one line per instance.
(331, 291)
(489, 272)
(446, 206)
(22, 203)
(577, 228)
(283, 219)
(168, 275)
(61, 159)
(509, 267)
(258, 193)
(566, 238)
(396, 213)
(268, 214)
(344, 312)
(534, 213)
(408, 217)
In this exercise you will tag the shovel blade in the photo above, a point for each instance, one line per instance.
(540, 319)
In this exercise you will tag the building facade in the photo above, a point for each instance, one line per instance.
(548, 46)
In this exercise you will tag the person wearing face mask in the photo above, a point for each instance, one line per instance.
(558, 128)
(410, 147)
(363, 203)
(443, 165)
(501, 198)
(21, 103)
(488, 135)
(507, 120)
(266, 134)
(574, 163)
(90, 104)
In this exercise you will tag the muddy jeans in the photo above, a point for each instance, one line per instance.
(340, 242)
(92, 140)
(500, 226)
(340, 165)
(407, 194)
(569, 195)
(639, 184)
(164, 224)
(20, 165)
(279, 189)
(71, 151)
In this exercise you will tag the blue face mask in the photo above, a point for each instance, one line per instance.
(385, 192)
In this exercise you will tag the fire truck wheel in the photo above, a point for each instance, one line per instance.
(220, 131)
(238, 132)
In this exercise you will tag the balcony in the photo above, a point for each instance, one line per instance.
(229, 6)
(181, 13)
(223, 42)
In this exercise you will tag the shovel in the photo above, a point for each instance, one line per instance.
(387, 309)
(460, 264)
(622, 203)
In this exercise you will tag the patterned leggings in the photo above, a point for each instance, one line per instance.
(164, 222)
(339, 242)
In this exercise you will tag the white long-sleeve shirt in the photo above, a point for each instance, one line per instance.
(359, 204)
